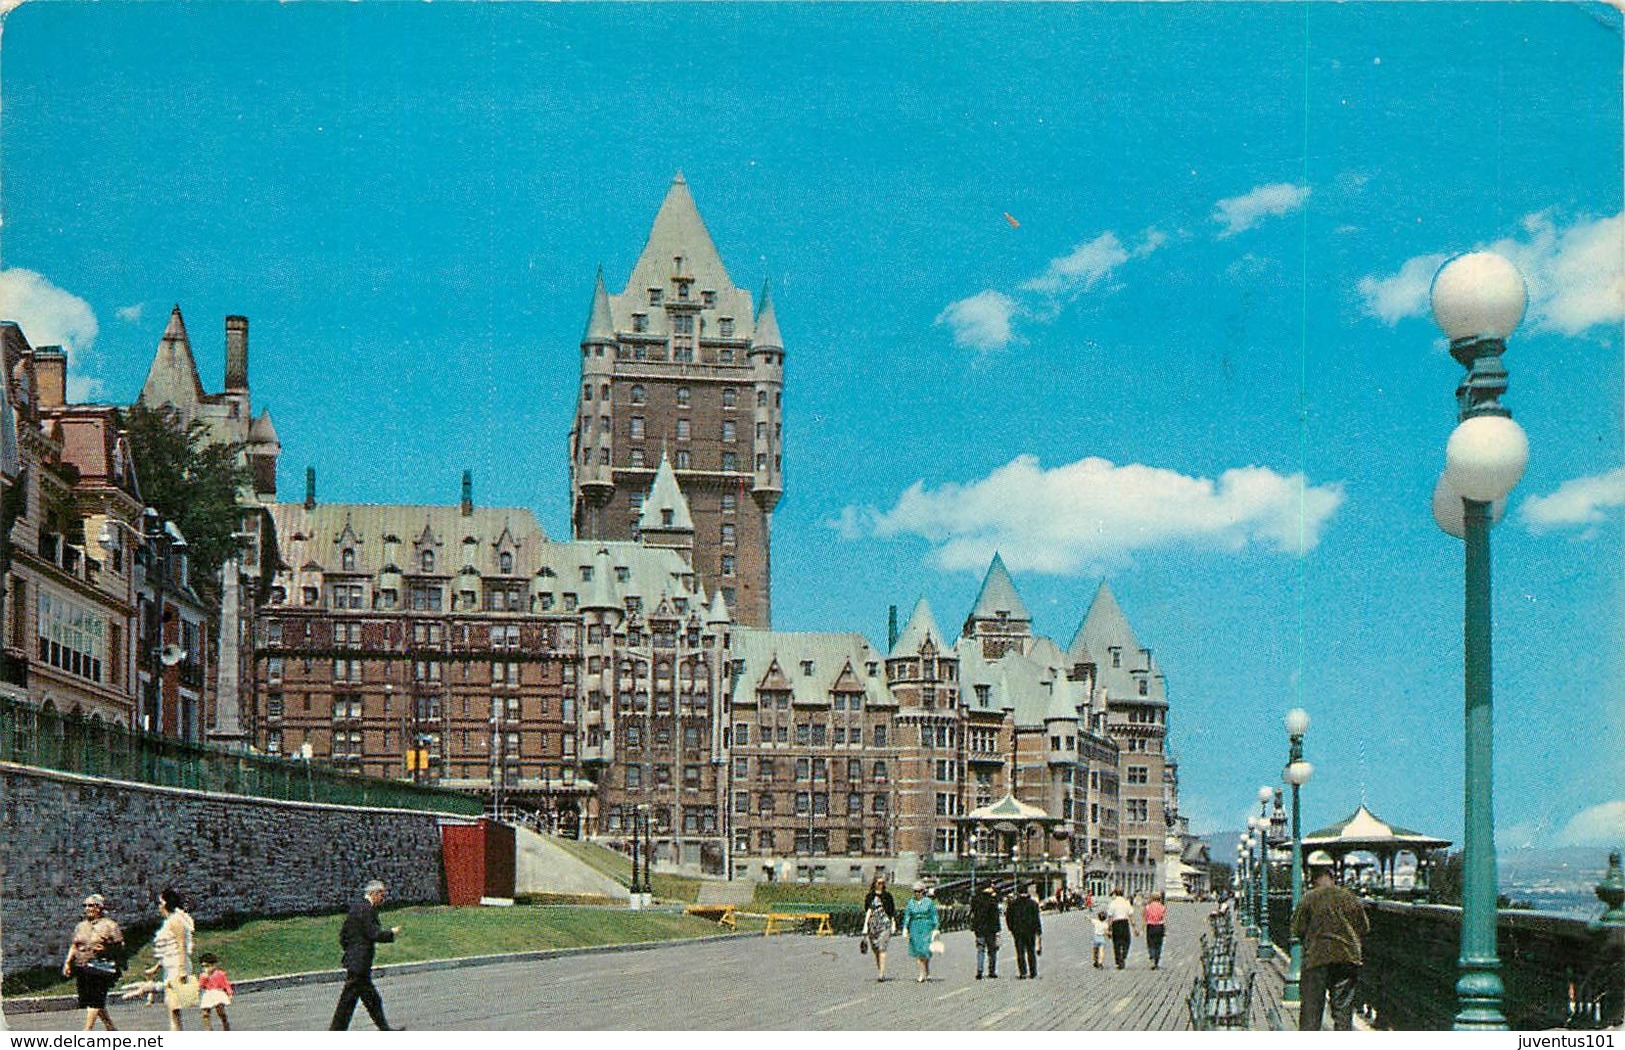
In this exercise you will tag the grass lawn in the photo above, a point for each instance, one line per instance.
(264, 947)
(774, 894)
(619, 867)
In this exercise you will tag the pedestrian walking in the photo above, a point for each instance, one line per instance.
(1100, 926)
(95, 957)
(1329, 921)
(172, 946)
(920, 923)
(216, 991)
(984, 926)
(879, 919)
(1120, 913)
(1156, 919)
(1026, 930)
(360, 937)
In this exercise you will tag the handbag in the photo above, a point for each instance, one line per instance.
(181, 992)
(937, 947)
(863, 945)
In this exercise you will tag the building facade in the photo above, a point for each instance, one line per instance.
(680, 366)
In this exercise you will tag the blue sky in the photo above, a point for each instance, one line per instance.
(1197, 363)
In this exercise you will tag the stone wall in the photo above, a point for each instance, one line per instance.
(64, 836)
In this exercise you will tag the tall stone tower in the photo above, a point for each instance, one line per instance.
(679, 367)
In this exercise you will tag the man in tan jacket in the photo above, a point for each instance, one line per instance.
(1329, 921)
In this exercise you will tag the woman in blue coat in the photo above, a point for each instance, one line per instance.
(920, 923)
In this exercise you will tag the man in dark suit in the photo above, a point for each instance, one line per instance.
(359, 937)
(1027, 930)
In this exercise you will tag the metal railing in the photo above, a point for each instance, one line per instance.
(71, 744)
(1559, 972)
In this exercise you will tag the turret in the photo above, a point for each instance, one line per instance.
(767, 366)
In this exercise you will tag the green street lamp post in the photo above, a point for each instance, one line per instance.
(1266, 949)
(1252, 876)
(1478, 300)
(1297, 774)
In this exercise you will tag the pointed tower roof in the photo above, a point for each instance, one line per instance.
(679, 232)
(1103, 626)
(718, 613)
(601, 592)
(600, 326)
(665, 494)
(172, 379)
(921, 625)
(263, 431)
(767, 322)
(998, 595)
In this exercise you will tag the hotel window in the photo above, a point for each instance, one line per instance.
(730, 397)
(761, 461)
(730, 461)
(347, 559)
(312, 595)
(730, 502)
(505, 562)
(683, 430)
(761, 431)
(726, 327)
(880, 736)
(682, 460)
(728, 533)
(729, 431)
(683, 324)
(656, 295)
(879, 774)
(728, 564)
(427, 561)
(636, 458)
(682, 397)
(640, 323)
(586, 391)
(708, 298)
(803, 769)
(636, 427)
(638, 394)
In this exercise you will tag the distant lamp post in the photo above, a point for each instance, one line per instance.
(1297, 774)
(1478, 300)
(1252, 876)
(1266, 794)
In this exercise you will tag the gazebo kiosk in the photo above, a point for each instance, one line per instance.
(1011, 824)
(1364, 832)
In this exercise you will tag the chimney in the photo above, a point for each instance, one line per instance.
(468, 493)
(236, 353)
(51, 376)
(891, 628)
(310, 488)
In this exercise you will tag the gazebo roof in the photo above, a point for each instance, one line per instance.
(1009, 808)
(1363, 830)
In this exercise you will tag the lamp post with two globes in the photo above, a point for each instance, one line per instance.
(1478, 300)
(1266, 794)
(1297, 774)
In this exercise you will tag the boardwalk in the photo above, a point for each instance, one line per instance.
(792, 982)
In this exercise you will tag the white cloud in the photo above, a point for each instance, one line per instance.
(982, 321)
(1600, 825)
(1091, 262)
(50, 316)
(1576, 275)
(1578, 501)
(1403, 294)
(1236, 214)
(1092, 513)
(129, 314)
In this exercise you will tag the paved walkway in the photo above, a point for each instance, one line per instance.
(789, 982)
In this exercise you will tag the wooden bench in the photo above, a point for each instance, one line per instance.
(721, 914)
(777, 919)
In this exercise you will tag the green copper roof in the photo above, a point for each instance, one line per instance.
(767, 322)
(600, 326)
(664, 495)
(998, 595)
(921, 625)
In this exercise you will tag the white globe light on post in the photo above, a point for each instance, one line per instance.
(1448, 513)
(1298, 773)
(1479, 295)
(1297, 722)
(1478, 301)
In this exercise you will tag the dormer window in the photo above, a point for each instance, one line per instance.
(427, 561)
(1117, 656)
(682, 290)
(347, 559)
(666, 520)
(656, 296)
(1145, 687)
(505, 562)
(640, 323)
(726, 327)
(708, 298)
(806, 667)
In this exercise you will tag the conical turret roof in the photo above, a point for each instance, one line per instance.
(600, 325)
(665, 494)
(718, 613)
(998, 595)
(767, 322)
(262, 431)
(921, 625)
(172, 379)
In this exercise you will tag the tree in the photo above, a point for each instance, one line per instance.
(193, 481)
